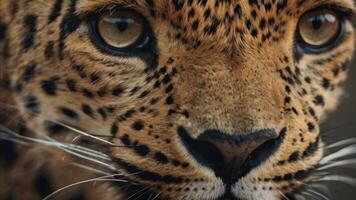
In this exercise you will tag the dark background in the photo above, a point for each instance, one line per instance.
(341, 124)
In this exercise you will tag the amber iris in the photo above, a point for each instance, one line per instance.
(121, 29)
(319, 27)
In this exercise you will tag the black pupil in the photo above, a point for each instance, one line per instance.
(122, 26)
(317, 21)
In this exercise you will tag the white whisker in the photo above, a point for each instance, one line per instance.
(344, 163)
(81, 149)
(318, 194)
(323, 188)
(155, 197)
(341, 143)
(349, 150)
(337, 178)
(84, 133)
(299, 197)
(87, 158)
(69, 149)
(143, 191)
(90, 169)
(99, 179)
(311, 195)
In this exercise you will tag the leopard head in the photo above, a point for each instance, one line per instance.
(192, 99)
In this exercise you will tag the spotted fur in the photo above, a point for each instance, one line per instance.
(226, 65)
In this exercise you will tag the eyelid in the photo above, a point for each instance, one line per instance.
(342, 11)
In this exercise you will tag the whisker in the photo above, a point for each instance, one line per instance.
(283, 195)
(98, 179)
(138, 192)
(338, 164)
(88, 158)
(78, 152)
(143, 192)
(318, 194)
(346, 151)
(337, 178)
(84, 133)
(341, 143)
(311, 195)
(323, 188)
(68, 127)
(155, 197)
(81, 149)
(299, 197)
(91, 169)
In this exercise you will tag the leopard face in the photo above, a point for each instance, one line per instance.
(193, 99)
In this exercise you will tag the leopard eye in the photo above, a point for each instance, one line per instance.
(120, 31)
(319, 29)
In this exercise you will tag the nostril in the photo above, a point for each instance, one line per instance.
(203, 152)
(229, 155)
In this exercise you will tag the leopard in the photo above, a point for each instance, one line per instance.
(170, 99)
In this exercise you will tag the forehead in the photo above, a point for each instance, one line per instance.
(216, 6)
(219, 22)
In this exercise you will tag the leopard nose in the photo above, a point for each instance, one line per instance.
(230, 154)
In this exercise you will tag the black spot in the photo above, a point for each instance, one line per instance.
(102, 113)
(253, 2)
(94, 78)
(69, 24)
(87, 110)
(169, 88)
(294, 157)
(54, 128)
(178, 4)
(30, 23)
(49, 52)
(69, 113)
(169, 100)
(32, 105)
(319, 100)
(138, 125)
(56, 11)
(144, 94)
(166, 79)
(29, 72)
(212, 28)
(49, 87)
(191, 13)
(207, 13)
(195, 25)
(3, 28)
(71, 84)
(161, 158)
(311, 149)
(281, 5)
(142, 150)
(125, 140)
(114, 129)
(87, 93)
(311, 127)
(8, 154)
(42, 183)
(326, 83)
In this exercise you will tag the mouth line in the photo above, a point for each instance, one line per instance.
(227, 172)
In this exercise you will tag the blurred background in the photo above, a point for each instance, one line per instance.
(341, 125)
